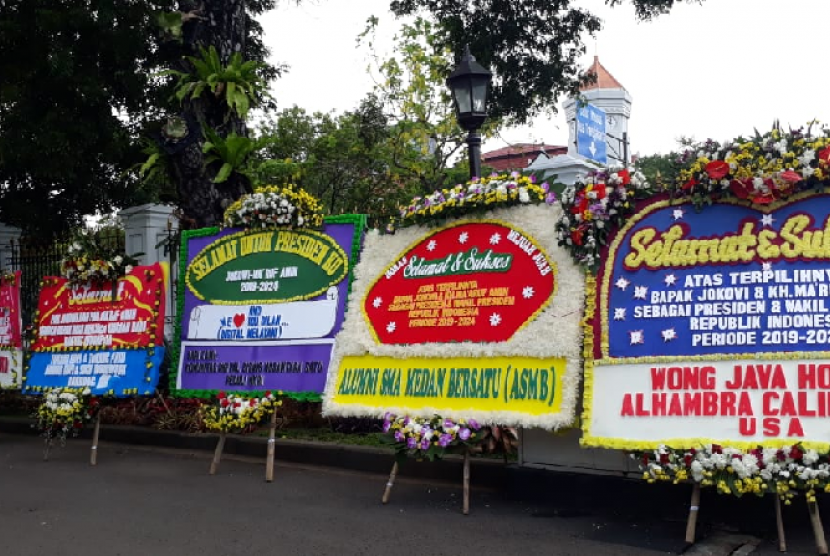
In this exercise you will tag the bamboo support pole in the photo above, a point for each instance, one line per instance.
(217, 454)
(47, 445)
(93, 452)
(694, 507)
(818, 529)
(466, 507)
(390, 483)
(779, 522)
(269, 462)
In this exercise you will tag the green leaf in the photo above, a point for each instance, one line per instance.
(224, 173)
(149, 164)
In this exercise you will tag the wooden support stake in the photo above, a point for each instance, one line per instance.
(390, 483)
(466, 508)
(217, 454)
(47, 445)
(694, 507)
(269, 462)
(93, 452)
(779, 522)
(818, 529)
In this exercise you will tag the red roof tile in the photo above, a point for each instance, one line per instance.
(604, 78)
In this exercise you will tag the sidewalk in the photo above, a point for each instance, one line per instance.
(622, 509)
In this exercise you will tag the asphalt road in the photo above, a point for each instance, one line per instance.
(141, 501)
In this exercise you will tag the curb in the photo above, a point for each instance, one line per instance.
(364, 459)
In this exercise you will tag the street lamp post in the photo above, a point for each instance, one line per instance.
(469, 84)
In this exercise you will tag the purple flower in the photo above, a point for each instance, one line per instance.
(425, 444)
(386, 426)
(444, 440)
(474, 424)
(399, 436)
(426, 202)
(550, 198)
(464, 434)
(545, 187)
(532, 178)
(514, 174)
(411, 443)
(406, 421)
(448, 424)
(511, 186)
(494, 175)
(475, 179)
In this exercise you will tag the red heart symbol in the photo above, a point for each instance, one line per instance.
(239, 319)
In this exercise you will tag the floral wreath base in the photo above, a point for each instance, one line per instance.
(239, 414)
(783, 471)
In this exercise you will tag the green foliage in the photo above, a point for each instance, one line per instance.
(659, 168)
(170, 23)
(238, 81)
(532, 46)
(231, 151)
(424, 137)
(75, 88)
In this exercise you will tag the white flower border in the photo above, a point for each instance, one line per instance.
(556, 331)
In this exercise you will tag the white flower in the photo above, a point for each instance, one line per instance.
(697, 471)
(118, 259)
(524, 196)
(810, 457)
(128, 268)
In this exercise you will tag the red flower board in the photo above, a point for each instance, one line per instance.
(87, 318)
(471, 282)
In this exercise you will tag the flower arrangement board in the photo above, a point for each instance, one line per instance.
(11, 347)
(477, 319)
(104, 336)
(712, 327)
(260, 308)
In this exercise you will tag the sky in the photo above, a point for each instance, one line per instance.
(715, 70)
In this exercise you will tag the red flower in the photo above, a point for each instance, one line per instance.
(739, 457)
(600, 190)
(764, 199)
(576, 236)
(717, 449)
(77, 424)
(625, 176)
(791, 177)
(824, 156)
(221, 395)
(645, 459)
(795, 453)
(664, 458)
(741, 188)
(780, 455)
(237, 404)
(224, 402)
(693, 451)
(717, 169)
(267, 393)
(252, 403)
(93, 402)
(690, 184)
(688, 460)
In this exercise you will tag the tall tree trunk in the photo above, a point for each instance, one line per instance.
(223, 25)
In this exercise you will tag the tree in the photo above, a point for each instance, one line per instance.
(424, 137)
(341, 159)
(82, 102)
(532, 46)
(75, 87)
(81, 98)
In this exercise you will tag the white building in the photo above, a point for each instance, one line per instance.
(608, 94)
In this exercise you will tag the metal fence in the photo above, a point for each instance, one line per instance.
(37, 259)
